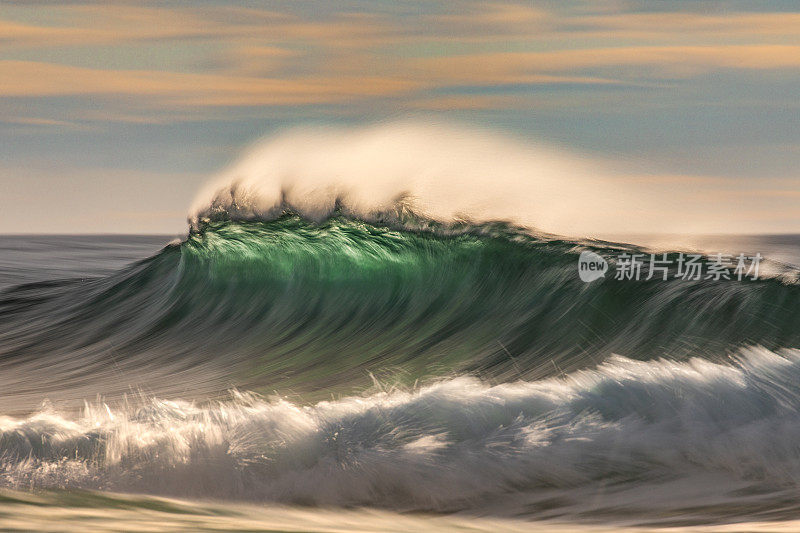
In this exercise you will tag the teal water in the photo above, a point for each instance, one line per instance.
(401, 365)
(315, 308)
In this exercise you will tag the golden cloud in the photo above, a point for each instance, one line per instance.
(25, 78)
(268, 58)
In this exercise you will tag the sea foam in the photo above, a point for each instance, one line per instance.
(455, 444)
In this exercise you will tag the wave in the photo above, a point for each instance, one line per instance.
(315, 307)
(524, 448)
(498, 382)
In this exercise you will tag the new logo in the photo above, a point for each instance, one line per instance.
(591, 266)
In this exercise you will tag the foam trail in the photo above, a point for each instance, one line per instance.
(457, 444)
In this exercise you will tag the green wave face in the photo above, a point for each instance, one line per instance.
(304, 306)
(331, 300)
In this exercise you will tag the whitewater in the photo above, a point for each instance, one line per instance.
(385, 326)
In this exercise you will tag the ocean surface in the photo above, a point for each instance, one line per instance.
(405, 327)
(343, 374)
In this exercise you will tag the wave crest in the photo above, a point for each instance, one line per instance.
(440, 172)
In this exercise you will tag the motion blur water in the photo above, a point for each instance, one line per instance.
(317, 308)
(37, 258)
(510, 418)
(321, 338)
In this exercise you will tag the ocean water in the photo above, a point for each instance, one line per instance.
(371, 330)
(280, 367)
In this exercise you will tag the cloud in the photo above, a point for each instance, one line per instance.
(30, 79)
(103, 24)
(675, 24)
(671, 61)
(36, 121)
(288, 57)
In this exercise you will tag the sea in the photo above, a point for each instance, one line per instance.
(395, 374)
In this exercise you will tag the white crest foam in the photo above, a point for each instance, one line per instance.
(445, 172)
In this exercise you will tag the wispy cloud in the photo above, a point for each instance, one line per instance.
(287, 57)
(22, 78)
(660, 61)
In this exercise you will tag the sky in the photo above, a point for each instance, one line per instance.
(114, 113)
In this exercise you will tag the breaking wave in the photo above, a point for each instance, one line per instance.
(531, 448)
(304, 306)
(497, 382)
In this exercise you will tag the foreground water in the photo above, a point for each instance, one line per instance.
(95, 512)
(459, 372)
